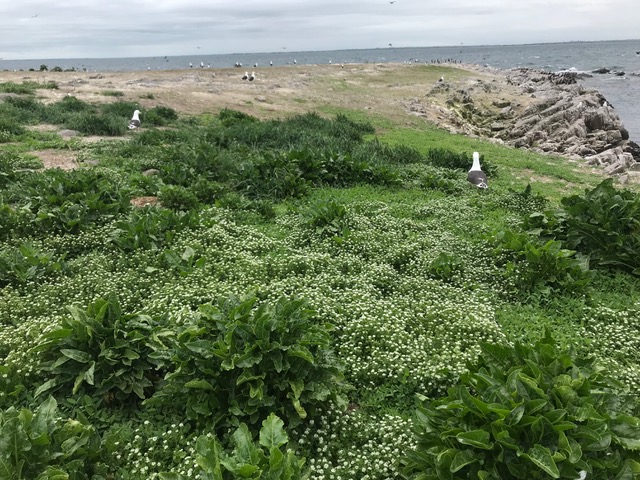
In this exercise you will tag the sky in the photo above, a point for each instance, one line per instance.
(57, 29)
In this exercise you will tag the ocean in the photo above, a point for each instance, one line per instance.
(622, 91)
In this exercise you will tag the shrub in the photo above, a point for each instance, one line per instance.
(327, 218)
(27, 263)
(604, 223)
(102, 352)
(177, 197)
(41, 445)
(97, 124)
(158, 116)
(149, 228)
(238, 361)
(541, 267)
(529, 412)
(248, 460)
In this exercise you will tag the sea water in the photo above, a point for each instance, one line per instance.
(621, 91)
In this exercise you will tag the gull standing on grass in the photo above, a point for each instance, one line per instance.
(135, 120)
(476, 176)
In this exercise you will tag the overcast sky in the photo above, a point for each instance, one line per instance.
(41, 29)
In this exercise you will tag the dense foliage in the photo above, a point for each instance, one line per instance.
(531, 411)
(289, 288)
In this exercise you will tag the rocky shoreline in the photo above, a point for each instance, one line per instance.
(546, 112)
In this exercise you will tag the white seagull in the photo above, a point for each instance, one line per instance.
(135, 120)
(476, 176)
(245, 76)
(252, 76)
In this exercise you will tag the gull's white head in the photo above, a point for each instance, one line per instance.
(476, 161)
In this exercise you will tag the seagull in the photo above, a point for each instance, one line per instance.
(392, 2)
(390, 45)
(245, 76)
(271, 63)
(441, 79)
(476, 176)
(135, 120)
(252, 76)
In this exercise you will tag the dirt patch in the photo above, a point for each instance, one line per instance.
(145, 201)
(63, 159)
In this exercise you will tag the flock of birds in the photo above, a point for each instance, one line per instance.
(476, 176)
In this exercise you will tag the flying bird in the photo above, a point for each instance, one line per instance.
(476, 176)
(392, 2)
(135, 120)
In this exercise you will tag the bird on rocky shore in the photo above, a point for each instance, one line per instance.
(476, 176)
(135, 120)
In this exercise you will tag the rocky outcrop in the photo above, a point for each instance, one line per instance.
(546, 112)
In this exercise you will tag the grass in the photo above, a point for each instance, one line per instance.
(391, 254)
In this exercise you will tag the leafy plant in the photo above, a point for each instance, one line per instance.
(238, 361)
(529, 412)
(445, 266)
(26, 263)
(269, 459)
(533, 266)
(102, 352)
(603, 223)
(327, 218)
(177, 197)
(41, 445)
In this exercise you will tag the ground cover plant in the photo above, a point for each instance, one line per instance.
(309, 299)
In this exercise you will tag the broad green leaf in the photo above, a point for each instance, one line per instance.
(272, 434)
(301, 352)
(45, 416)
(49, 384)
(461, 460)
(245, 450)
(77, 355)
(297, 386)
(88, 374)
(541, 457)
(208, 457)
(199, 384)
(627, 431)
(475, 438)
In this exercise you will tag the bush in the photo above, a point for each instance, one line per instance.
(541, 267)
(177, 197)
(101, 352)
(529, 412)
(97, 124)
(604, 223)
(26, 263)
(237, 361)
(41, 445)
(159, 116)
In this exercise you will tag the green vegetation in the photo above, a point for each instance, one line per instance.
(309, 299)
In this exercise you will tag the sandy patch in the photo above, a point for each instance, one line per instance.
(63, 159)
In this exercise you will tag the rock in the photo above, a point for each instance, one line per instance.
(623, 179)
(619, 73)
(68, 133)
(150, 172)
(501, 103)
(496, 126)
(601, 70)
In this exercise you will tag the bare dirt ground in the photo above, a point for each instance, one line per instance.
(384, 89)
